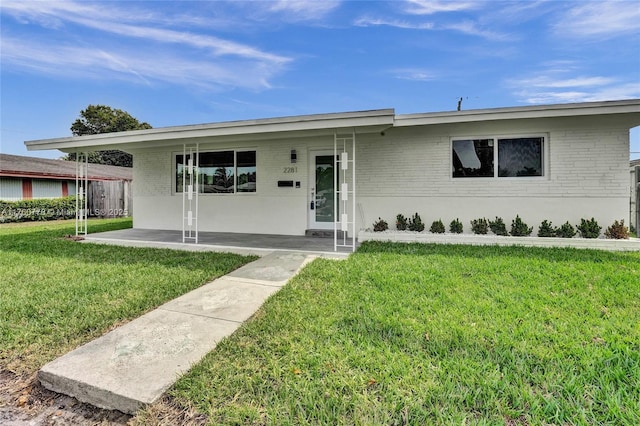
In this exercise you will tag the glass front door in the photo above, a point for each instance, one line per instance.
(321, 213)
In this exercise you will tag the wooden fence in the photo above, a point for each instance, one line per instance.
(109, 198)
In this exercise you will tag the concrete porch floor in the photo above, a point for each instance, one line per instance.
(259, 244)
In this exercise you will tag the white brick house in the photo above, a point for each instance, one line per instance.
(555, 162)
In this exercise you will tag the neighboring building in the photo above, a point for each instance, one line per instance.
(635, 195)
(289, 175)
(24, 178)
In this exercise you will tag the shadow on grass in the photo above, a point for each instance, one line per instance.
(476, 252)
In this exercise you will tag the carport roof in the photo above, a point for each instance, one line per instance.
(262, 129)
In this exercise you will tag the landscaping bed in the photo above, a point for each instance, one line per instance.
(631, 244)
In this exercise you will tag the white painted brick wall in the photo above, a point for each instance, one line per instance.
(408, 170)
(417, 162)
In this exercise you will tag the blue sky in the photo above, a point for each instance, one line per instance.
(184, 62)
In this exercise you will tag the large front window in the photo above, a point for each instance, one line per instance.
(222, 172)
(515, 157)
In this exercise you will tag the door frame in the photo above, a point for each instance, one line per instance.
(311, 190)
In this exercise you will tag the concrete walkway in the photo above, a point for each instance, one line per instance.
(136, 363)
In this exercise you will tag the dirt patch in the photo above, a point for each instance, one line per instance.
(73, 237)
(23, 401)
(168, 411)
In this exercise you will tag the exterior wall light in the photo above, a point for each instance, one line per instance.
(294, 156)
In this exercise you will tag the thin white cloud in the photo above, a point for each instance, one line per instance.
(600, 19)
(302, 10)
(413, 74)
(139, 67)
(414, 10)
(372, 22)
(622, 91)
(163, 55)
(554, 87)
(84, 14)
(472, 28)
(549, 82)
(430, 7)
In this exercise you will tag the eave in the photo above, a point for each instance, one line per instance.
(255, 130)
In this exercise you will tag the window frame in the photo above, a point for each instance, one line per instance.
(496, 142)
(235, 192)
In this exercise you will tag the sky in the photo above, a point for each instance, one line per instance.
(173, 63)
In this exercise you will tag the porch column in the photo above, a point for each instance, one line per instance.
(344, 181)
(82, 184)
(190, 190)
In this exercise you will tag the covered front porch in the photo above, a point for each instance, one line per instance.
(259, 244)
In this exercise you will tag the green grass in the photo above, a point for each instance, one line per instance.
(57, 294)
(424, 334)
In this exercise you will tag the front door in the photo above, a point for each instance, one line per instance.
(321, 206)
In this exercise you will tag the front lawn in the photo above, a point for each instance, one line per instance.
(57, 294)
(425, 334)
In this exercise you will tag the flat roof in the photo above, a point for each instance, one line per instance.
(512, 113)
(360, 122)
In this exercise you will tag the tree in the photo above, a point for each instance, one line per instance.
(97, 119)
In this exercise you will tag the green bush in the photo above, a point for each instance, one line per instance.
(565, 231)
(455, 227)
(415, 223)
(401, 222)
(38, 209)
(437, 227)
(380, 225)
(498, 227)
(589, 228)
(546, 229)
(519, 228)
(480, 226)
(617, 231)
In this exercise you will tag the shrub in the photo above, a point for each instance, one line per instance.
(437, 227)
(519, 228)
(415, 223)
(617, 231)
(546, 229)
(401, 222)
(38, 209)
(498, 227)
(455, 227)
(565, 231)
(589, 228)
(480, 226)
(380, 225)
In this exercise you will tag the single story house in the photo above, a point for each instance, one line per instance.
(25, 178)
(343, 171)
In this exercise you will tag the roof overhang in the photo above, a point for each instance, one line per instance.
(360, 122)
(273, 128)
(631, 106)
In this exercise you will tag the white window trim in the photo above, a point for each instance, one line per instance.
(174, 163)
(545, 157)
